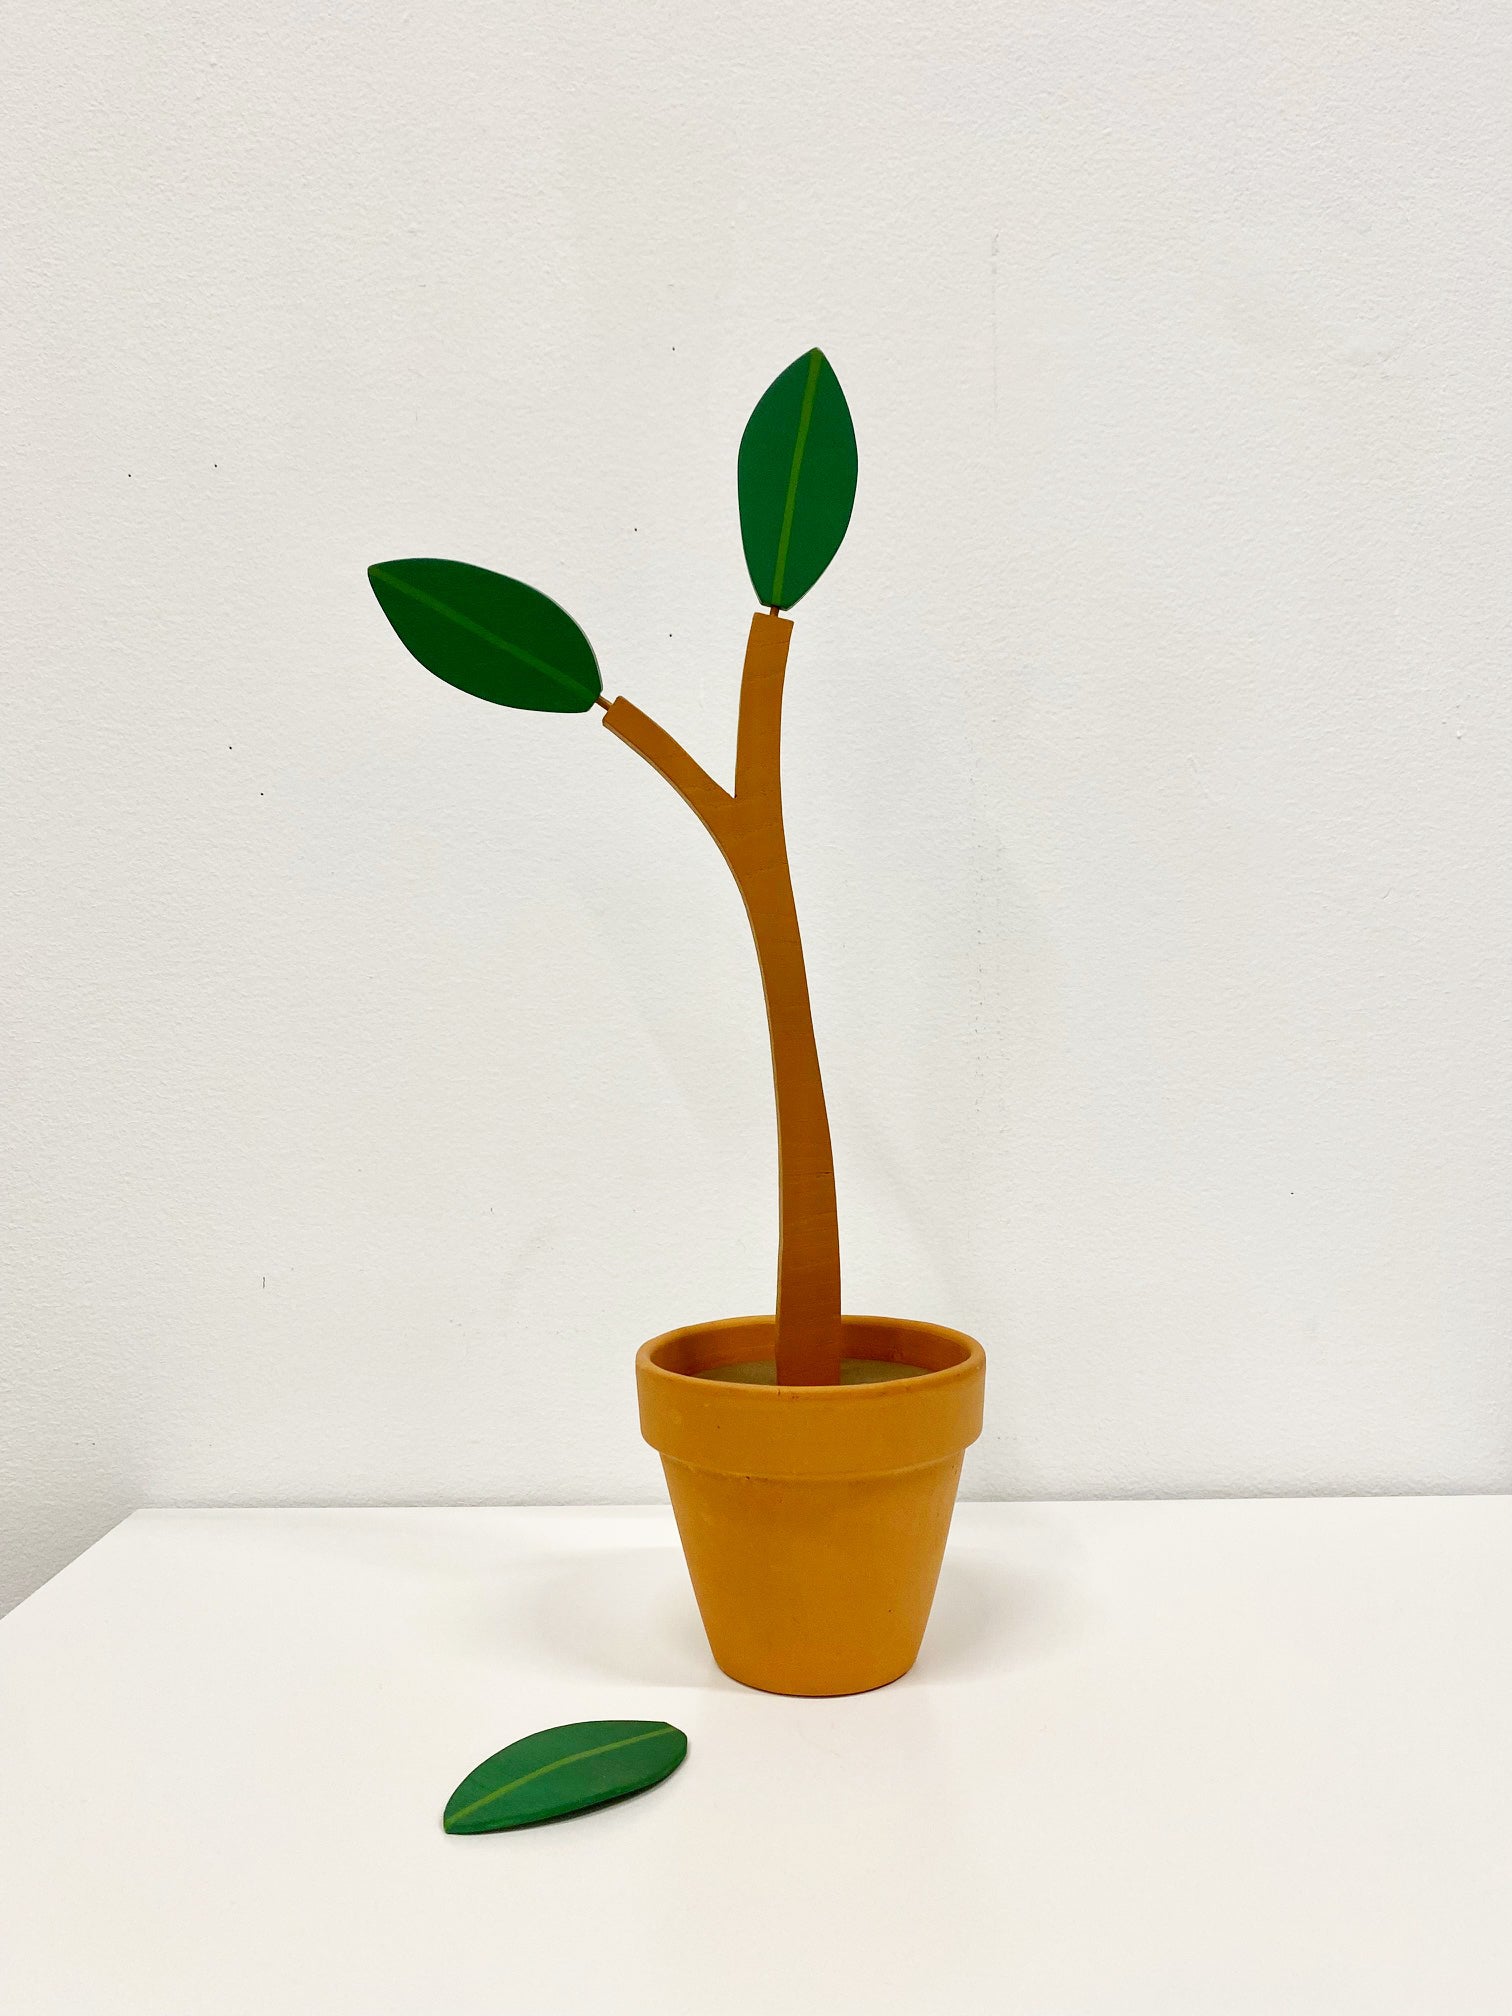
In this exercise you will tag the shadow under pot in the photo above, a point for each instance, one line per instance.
(813, 1518)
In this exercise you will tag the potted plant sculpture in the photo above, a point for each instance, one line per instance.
(811, 1457)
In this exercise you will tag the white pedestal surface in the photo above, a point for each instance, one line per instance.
(1247, 1758)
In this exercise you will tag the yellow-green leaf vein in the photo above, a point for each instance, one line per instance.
(800, 442)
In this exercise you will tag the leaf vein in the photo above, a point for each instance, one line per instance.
(800, 443)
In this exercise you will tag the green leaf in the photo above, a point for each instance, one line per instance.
(797, 480)
(489, 635)
(563, 1770)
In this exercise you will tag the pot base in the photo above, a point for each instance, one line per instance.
(814, 1586)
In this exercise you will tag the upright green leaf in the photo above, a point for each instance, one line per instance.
(490, 636)
(565, 1770)
(797, 480)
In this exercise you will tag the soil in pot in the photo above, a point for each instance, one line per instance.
(853, 1372)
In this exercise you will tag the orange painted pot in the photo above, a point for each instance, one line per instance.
(813, 1518)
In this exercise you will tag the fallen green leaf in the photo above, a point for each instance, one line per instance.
(563, 1770)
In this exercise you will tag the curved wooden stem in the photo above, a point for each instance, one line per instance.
(747, 828)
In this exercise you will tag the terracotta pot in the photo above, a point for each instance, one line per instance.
(813, 1518)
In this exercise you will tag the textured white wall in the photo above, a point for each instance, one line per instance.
(383, 1068)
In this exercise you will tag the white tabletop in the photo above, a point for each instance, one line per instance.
(1209, 1758)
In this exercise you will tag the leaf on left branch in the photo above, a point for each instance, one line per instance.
(489, 635)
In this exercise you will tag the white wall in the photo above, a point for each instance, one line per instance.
(383, 1068)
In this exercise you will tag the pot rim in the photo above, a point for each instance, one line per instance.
(876, 1331)
(812, 1431)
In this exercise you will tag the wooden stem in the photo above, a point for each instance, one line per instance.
(748, 830)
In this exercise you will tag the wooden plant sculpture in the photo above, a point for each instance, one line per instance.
(812, 1459)
(503, 641)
